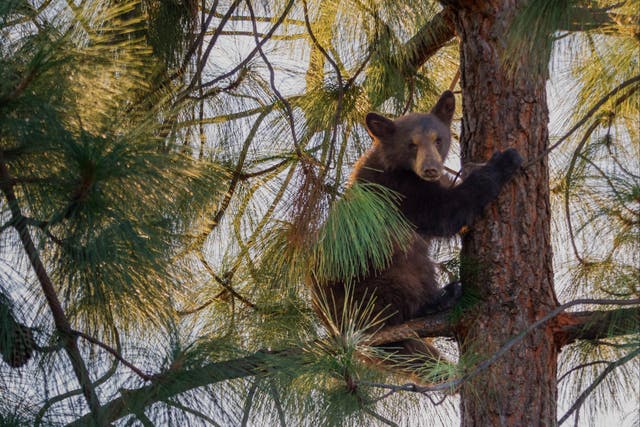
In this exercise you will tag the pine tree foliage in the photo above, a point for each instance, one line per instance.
(182, 169)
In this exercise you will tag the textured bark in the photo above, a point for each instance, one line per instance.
(507, 255)
(435, 34)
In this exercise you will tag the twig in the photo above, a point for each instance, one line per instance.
(360, 69)
(603, 174)
(577, 152)
(379, 417)
(298, 36)
(235, 179)
(407, 105)
(195, 412)
(583, 396)
(224, 283)
(59, 398)
(197, 43)
(569, 174)
(336, 68)
(272, 83)
(114, 353)
(581, 366)
(200, 307)
(278, 405)
(267, 19)
(248, 402)
(454, 82)
(207, 51)
(258, 48)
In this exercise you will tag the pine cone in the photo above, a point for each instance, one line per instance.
(17, 345)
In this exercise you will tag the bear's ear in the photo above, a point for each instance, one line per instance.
(379, 126)
(445, 107)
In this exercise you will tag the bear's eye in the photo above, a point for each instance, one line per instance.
(438, 141)
(413, 146)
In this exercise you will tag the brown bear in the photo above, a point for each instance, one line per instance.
(407, 157)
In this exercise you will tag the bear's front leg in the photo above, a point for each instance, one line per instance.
(468, 168)
(442, 212)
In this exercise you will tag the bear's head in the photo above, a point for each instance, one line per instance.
(418, 142)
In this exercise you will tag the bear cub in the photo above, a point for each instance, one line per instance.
(407, 157)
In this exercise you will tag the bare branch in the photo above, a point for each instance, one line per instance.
(249, 402)
(190, 410)
(272, 83)
(581, 366)
(115, 353)
(592, 325)
(379, 417)
(431, 37)
(258, 48)
(224, 282)
(437, 325)
(336, 68)
(288, 21)
(212, 41)
(567, 198)
(235, 179)
(592, 386)
(61, 397)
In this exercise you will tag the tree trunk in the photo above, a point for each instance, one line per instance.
(507, 255)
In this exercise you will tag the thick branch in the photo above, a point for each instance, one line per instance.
(173, 383)
(437, 325)
(582, 18)
(567, 327)
(431, 37)
(592, 325)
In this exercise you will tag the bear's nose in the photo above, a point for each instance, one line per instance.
(430, 173)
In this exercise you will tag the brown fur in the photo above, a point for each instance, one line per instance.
(407, 156)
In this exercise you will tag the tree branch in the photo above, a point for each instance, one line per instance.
(115, 353)
(437, 325)
(48, 403)
(592, 325)
(592, 386)
(429, 39)
(583, 18)
(48, 289)
(174, 382)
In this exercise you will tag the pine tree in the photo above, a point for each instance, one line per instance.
(174, 171)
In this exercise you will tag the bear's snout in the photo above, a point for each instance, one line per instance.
(428, 168)
(430, 173)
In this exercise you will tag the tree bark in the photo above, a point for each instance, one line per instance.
(507, 256)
